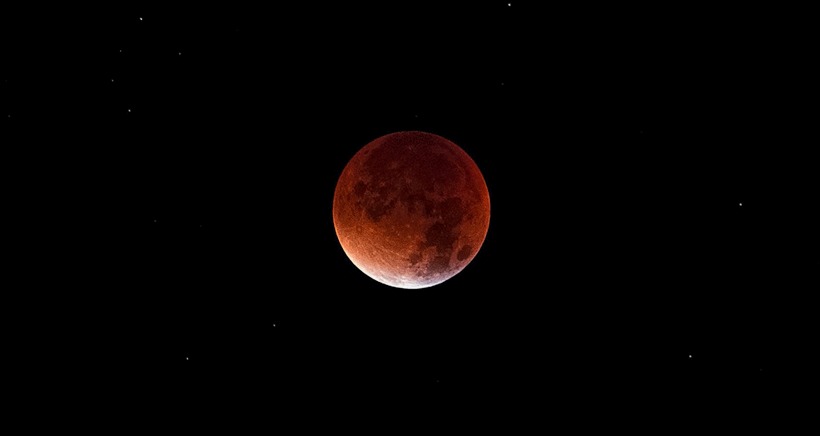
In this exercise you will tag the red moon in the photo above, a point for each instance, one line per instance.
(411, 209)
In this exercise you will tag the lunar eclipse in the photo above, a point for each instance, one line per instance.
(411, 209)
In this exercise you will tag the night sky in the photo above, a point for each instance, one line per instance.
(652, 244)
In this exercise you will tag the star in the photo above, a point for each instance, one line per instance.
(140, 18)
(509, 4)
(154, 220)
(274, 324)
(740, 204)
(179, 53)
(187, 358)
(690, 356)
(129, 110)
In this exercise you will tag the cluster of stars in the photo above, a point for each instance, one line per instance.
(129, 110)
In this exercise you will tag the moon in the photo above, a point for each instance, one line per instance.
(411, 209)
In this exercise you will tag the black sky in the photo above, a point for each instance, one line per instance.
(654, 221)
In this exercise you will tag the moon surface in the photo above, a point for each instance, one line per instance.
(411, 209)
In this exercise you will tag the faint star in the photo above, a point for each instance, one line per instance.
(179, 53)
(274, 324)
(187, 358)
(690, 356)
(112, 80)
(155, 220)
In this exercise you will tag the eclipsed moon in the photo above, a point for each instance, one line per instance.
(411, 209)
